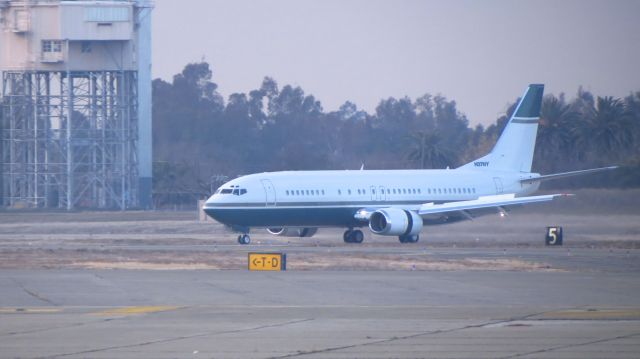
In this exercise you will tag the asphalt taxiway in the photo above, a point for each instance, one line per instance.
(309, 314)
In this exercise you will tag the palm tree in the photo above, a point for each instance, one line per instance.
(428, 149)
(554, 139)
(605, 130)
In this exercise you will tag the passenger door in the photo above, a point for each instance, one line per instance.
(270, 192)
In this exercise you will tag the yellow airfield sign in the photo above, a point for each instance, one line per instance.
(268, 261)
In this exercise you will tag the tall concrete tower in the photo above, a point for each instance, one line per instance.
(75, 119)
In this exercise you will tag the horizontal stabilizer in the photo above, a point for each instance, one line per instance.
(566, 174)
(483, 202)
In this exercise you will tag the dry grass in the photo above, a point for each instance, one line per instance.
(150, 240)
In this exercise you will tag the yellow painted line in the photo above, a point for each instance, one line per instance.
(594, 314)
(137, 310)
(20, 310)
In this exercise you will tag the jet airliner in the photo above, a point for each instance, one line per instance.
(391, 202)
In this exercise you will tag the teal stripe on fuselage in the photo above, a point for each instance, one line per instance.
(298, 214)
(286, 217)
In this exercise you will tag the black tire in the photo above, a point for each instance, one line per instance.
(357, 236)
(409, 239)
(244, 239)
(347, 236)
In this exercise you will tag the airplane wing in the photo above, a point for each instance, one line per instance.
(496, 201)
(566, 174)
(464, 209)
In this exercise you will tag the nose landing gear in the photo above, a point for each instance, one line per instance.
(244, 239)
(353, 236)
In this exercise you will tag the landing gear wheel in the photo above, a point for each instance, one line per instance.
(357, 236)
(346, 237)
(353, 236)
(409, 239)
(244, 239)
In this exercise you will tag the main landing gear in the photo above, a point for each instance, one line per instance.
(409, 239)
(353, 236)
(244, 239)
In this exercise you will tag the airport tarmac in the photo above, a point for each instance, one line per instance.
(314, 314)
(112, 286)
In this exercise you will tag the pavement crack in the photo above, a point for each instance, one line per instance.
(575, 345)
(183, 337)
(389, 340)
(73, 325)
(392, 339)
(34, 294)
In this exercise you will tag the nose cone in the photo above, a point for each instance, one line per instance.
(211, 207)
(211, 200)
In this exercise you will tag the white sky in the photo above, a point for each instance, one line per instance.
(480, 53)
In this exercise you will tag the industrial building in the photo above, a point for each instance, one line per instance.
(75, 119)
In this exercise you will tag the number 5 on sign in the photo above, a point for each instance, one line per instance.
(554, 236)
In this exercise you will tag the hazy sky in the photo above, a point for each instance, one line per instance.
(480, 53)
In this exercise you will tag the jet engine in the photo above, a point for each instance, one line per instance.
(293, 231)
(395, 222)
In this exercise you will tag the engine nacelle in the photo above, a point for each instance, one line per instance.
(293, 231)
(395, 222)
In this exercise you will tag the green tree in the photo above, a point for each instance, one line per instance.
(554, 142)
(604, 130)
(429, 150)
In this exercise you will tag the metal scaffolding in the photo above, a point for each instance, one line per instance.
(69, 139)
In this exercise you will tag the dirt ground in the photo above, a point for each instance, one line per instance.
(176, 240)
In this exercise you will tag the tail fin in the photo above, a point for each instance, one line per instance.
(514, 149)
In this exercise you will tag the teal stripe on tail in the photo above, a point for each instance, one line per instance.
(531, 102)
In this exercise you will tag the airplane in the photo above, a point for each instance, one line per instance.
(391, 202)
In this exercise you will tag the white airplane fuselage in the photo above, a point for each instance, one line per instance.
(332, 198)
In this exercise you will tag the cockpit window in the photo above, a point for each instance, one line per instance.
(239, 191)
(235, 190)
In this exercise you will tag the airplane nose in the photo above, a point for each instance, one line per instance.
(211, 200)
